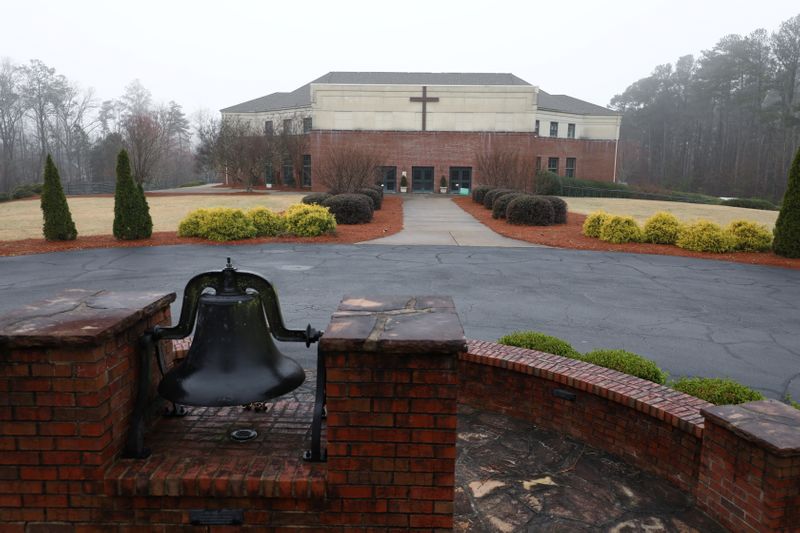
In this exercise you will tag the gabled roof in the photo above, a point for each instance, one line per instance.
(567, 104)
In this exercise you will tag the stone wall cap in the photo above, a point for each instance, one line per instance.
(78, 317)
(395, 324)
(770, 423)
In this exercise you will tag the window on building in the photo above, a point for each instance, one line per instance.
(288, 173)
(570, 131)
(268, 128)
(306, 124)
(569, 171)
(287, 125)
(554, 129)
(269, 174)
(536, 128)
(307, 169)
(552, 165)
(538, 164)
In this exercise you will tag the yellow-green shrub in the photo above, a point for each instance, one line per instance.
(662, 228)
(750, 237)
(218, 224)
(309, 220)
(705, 236)
(266, 222)
(619, 229)
(593, 223)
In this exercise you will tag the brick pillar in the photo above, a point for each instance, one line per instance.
(67, 387)
(750, 466)
(391, 427)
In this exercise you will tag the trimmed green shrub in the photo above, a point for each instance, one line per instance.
(705, 236)
(719, 391)
(530, 211)
(534, 340)
(131, 213)
(787, 227)
(628, 363)
(479, 192)
(316, 198)
(217, 224)
(620, 229)
(749, 236)
(751, 203)
(489, 197)
(309, 220)
(267, 223)
(547, 183)
(662, 228)
(501, 203)
(593, 223)
(350, 208)
(58, 224)
(559, 209)
(378, 189)
(374, 196)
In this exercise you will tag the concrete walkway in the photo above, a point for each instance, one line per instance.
(435, 220)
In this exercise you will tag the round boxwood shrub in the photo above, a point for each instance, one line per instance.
(719, 391)
(751, 203)
(501, 203)
(530, 211)
(316, 198)
(705, 236)
(479, 192)
(559, 209)
(378, 189)
(374, 196)
(534, 340)
(309, 220)
(350, 208)
(488, 198)
(620, 229)
(749, 236)
(267, 223)
(628, 363)
(593, 223)
(662, 228)
(217, 224)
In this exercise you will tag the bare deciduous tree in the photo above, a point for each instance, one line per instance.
(12, 110)
(349, 168)
(501, 166)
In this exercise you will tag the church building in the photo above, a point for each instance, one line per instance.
(426, 126)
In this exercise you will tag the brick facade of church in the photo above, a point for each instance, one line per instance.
(445, 149)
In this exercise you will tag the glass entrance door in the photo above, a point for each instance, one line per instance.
(421, 179)
(389, 179)
(460, 178)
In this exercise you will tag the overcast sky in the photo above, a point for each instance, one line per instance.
(213, 54)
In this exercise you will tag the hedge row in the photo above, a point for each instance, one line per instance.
(349, 208)
(521, 208)
(715, 390)
(665, 228)
(228, 224)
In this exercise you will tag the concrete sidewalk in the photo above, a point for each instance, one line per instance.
(434, 219)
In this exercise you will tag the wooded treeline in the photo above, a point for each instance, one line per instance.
(43, 112)
(726, 123)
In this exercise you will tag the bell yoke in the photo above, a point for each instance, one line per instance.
(232, 359)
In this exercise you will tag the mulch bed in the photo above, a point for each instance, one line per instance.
(570, 235)
(387, 221)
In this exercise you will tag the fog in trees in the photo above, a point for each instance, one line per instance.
(724, 123)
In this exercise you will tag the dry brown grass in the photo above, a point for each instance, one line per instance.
(641, 210)
(22, 219)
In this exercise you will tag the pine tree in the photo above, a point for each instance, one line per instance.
(787, 228)
(58, 224)
(131, 212)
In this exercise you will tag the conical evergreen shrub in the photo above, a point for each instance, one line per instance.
(131, 212)
(787, 227)
(58, 224)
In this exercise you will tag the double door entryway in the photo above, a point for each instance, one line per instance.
(423, 179)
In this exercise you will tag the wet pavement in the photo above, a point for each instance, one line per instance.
(514, 477)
